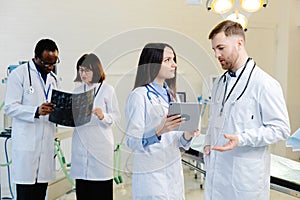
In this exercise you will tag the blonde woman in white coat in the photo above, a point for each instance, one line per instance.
(93, 143)
(28, 92)
(157, 171)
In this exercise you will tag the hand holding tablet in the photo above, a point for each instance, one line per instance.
(189, 112)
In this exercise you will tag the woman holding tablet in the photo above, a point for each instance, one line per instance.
(157, 169)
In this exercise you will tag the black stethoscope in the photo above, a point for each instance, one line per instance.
(95, 92)
(230, 92)
(31, 89)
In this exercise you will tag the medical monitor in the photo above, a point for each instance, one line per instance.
(181, 96)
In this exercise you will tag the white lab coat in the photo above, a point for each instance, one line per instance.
(93, 143)
(259, 118)
(32, 138)
(157, 171)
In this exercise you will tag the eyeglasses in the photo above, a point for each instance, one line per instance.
(84, 70)
(49, 64)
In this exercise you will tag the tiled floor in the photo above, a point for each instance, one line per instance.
(192, 189)
(123, 191)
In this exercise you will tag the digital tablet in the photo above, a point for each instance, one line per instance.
(190, 112)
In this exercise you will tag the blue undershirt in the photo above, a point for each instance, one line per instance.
(152, 137)
(44, 77)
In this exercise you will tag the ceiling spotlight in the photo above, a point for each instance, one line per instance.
(240, 9)
(251, 5)
(239, 18)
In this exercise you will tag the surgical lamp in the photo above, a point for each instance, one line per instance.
(236, 10)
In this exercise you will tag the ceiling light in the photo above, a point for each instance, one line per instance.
(221, 6)
(251, 5)
(236, 10)
(239, 18)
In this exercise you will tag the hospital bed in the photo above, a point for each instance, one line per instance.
(285, 173)
(193, 158)
(194, 161)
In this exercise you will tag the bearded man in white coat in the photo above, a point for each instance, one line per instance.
(28, 92)
(248, 113)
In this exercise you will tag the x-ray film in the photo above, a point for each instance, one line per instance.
(71, 109)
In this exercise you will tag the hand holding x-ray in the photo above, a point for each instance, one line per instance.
(46, 108)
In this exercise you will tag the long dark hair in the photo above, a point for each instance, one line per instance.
(92, 62)
(149, 65)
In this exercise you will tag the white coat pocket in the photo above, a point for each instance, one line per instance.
(245, 113)
(25, 138)
(245, 173)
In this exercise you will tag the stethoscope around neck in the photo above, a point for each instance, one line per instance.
(149, 92)
(224, 80)
(152, 91)
(95, 91)
(155, 93)
(31, 89)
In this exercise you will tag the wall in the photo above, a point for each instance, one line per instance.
(293, 82)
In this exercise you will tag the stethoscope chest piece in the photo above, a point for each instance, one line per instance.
(31, 90)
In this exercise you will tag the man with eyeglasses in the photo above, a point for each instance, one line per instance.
(27, 99)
